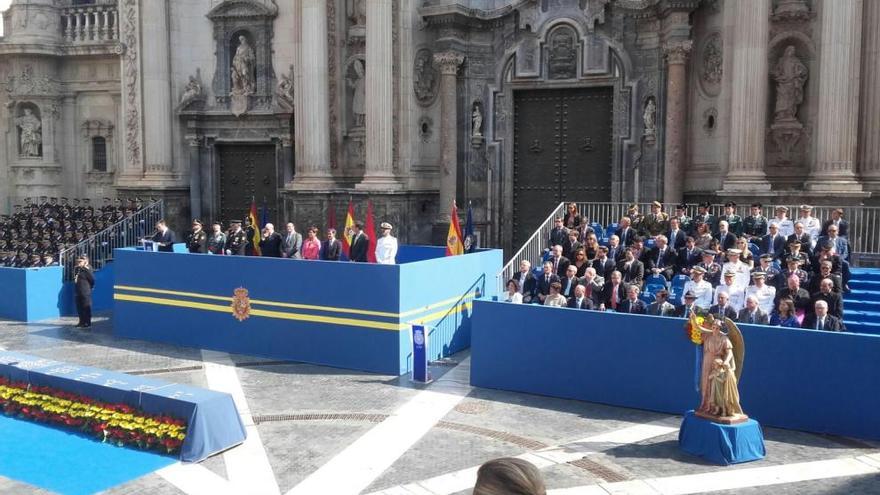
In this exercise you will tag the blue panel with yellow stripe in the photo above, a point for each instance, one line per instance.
(348, 315)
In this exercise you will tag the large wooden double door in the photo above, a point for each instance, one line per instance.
(248, 172)
(562, 152)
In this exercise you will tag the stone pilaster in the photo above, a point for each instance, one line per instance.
(869, 119)
(839, 69)
(448, 64)
(313, 121)
(156, 60)
(379, 172)
(195, 181)
(748, 107)
(676, 118)
(132, 167)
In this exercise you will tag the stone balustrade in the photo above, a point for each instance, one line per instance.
(91, 23)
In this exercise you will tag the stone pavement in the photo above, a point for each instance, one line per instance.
(329, 431)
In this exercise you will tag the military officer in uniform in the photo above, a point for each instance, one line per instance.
(197, 241)
(656, 222)
(734, 221)
(703, 216)
(685, 222)
(755, 225)
(236, 241)
(711, 269)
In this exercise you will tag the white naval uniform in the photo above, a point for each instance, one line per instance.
(386, 250)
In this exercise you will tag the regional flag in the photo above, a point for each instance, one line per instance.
(454, 243)
(346, 232)
(257, 228)
(370, 230)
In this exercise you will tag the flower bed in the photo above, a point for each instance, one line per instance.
(120, 424)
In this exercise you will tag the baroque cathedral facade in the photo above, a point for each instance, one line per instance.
(507, 105)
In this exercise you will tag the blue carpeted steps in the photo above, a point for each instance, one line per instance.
(861, 306)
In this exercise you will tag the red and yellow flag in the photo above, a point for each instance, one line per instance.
(370, 230)
(454, 242)
(346, 231)
(257, 228)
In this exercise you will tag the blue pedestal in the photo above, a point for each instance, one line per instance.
(721, 444)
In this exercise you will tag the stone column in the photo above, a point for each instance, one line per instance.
(748, 105)
(869, 120)
(313, 171)
(839, 61)
(156, 72)
(195, 178)
(448, 63)
(676, 119)
(379, 172)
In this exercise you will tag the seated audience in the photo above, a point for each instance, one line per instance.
(632, 304)
(560, 263)
(632, 269)
(833, 300)
(763, 292)
(753, 313)
(773, 243)
(544, 282)
(819, 319)
(569, 282)
(660, 306)
(554, 298)
(785, 315)
(699, 288)
(722, 309)
(613, 293)
(513, 294)
(838, 221)
(580, 299)
(825, 273)
(525, 281)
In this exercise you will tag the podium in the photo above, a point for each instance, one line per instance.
(720, 443)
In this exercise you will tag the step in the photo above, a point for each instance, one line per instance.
(864, 295)
(859, 305)
(860, 284)
(857, 315)
(862, 274)
(862, 328)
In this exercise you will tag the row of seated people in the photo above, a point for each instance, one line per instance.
(756, 304)
(34, 234)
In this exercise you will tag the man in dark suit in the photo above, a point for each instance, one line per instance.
(291, 242)
(801, 236)
(821, 320)
(688, 256)
(580, 300)
(677, 236)
(825, 272)
(772, 243)
(603, 264)
(613, 293)
(569, 282)
(837, 220)
(661, 260)
(526, 281)
(752, 314)
(632, 304)
(625, 233)
(332, 247)
(164, 237)
(270, 242)
(592, 285)
(833, 300)
(723, 309)
(558, 234)
(359, 244)
(840, 243)
(633, 270)
(544, 282)
(571, 244)
(560, 262)
(725, 236)
(689, 307)
(661, 307)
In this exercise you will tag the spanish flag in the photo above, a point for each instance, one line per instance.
(257, 228)
(454, 243)
(346, 232)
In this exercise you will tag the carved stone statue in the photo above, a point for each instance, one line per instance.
(650, 117)
(243, 77)
(284, 91)
(477, 121)
(790, 75)
(562, 59)
(31, 134)
(424, 77)
(723, 354)
(358, 100)
(192, 91)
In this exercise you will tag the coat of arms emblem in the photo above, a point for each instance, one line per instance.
(241, 304)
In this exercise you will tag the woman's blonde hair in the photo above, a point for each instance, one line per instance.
(509, 476)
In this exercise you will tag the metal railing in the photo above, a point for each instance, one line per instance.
(125, 233)
(863, 234)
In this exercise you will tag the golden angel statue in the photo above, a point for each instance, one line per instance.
(723, 353)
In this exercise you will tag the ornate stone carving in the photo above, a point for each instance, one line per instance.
(193, 90)
(357, 15)
(284, 91)
(243, 75)
(562, 54)
(96, 127)
(425, 77)
(355, 76)
(594, 11)
(30, 133)
(27, 84)
(332, 71)
(448, 62)
(426, 128)
(131, 82)
(677, 51)
(790, 75)
(791, 10)
(649, 117)
(712, 64)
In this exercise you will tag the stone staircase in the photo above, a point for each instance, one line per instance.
(861, 307)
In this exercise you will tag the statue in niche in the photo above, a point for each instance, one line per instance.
(285, 88)
(358, 100)
(790, 75)
(650, 117)
(477, 121)
(31, 134)
(243, 79)
(562, 59)
(192, 91)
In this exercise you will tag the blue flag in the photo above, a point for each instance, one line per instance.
(470, 240)
(264, 214)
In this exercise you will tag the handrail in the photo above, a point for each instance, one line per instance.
(530, 249)
(125, 233)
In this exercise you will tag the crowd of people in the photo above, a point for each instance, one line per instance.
(240, 239)
(776, 271)
(37, 231)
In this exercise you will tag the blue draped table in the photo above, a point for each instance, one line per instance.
(213, 423)
(719, 443)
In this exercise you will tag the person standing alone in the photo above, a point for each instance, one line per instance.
(84, 282)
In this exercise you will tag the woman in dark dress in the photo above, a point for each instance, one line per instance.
(83, 281)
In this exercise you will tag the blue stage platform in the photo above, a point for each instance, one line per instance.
(808, 380)
(33, 294)
(342, 314)
(213, 423)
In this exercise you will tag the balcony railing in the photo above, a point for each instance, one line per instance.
(94, 23)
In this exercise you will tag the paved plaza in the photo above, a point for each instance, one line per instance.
(318, 430)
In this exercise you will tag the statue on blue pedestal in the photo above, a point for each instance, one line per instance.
(723, 353)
